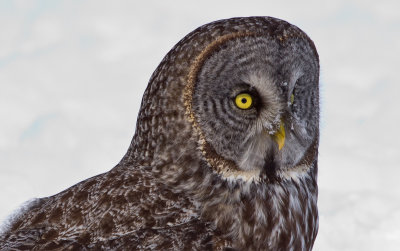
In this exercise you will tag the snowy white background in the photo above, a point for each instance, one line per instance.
(72, 74)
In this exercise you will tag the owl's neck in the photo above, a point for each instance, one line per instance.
(281, 215)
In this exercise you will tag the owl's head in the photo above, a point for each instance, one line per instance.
(249, 89)
(254, 101)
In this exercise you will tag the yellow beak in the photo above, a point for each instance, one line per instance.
(279, 136)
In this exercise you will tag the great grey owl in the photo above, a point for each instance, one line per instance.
(224, 156)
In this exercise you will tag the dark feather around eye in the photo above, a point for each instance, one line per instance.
(257, 101)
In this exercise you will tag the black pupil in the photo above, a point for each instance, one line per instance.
(244, 100)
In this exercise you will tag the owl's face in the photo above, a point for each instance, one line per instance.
(256, 102)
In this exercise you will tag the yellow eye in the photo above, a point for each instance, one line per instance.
(292, 98)
(243, 101)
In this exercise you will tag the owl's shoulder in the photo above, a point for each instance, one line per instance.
(125, 205)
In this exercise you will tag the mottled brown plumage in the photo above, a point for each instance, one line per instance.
(201, 174)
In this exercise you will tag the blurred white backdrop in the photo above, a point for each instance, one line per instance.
(72, 74)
